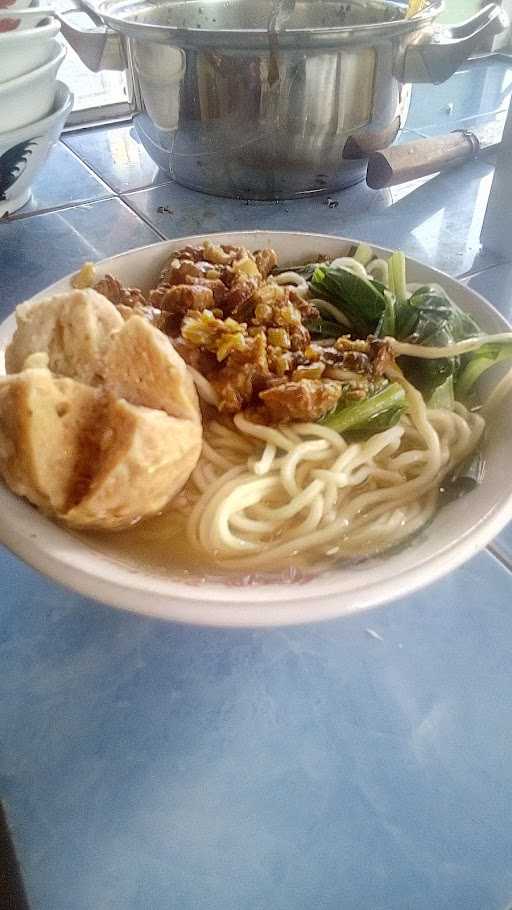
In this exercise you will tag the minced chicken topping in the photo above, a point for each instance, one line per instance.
(247, 335)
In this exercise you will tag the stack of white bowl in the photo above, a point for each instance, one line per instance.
(33, 105)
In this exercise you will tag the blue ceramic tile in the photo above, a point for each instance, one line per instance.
(115, 154)
(155, 766)
(38, 250)
(407, 136)
(470, 123)
(437, 221)
(176, 211)
(64, 180)
(477, 91)
(495, 285)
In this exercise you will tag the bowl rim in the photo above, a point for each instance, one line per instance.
(25, 79)
(48, 29)
(62, 92)
(44, 11)
(234, 606)
(38, 49)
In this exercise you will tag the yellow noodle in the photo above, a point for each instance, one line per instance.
(324, 494)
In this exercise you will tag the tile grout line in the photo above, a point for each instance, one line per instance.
(77, 205)
(117, 192)
(87, 166)
(149, 186)
(467, 276)
(143, 218)
(500, 556)
(109, 193)
(24, 216)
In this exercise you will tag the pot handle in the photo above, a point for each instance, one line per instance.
(99, 48)
(450, 46)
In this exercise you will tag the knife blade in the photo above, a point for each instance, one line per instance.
(423, 157)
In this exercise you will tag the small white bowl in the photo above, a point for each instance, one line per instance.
(22, 52)
(27, 150)
(22, 19)
(457, 532)
(30, 97)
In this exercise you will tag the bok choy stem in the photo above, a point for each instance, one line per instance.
(364, 254)
(480, 362)
(397, 280)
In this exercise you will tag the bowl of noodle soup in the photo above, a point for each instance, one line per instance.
(298, 522)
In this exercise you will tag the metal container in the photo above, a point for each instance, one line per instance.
(229, 107)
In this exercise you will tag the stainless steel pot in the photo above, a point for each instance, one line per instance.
(229, 109)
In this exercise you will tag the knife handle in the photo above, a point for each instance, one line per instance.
(411, 160)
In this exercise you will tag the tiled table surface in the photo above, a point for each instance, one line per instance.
(144, 765)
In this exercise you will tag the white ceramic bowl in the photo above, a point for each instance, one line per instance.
(21, 52)
(30, 97)
(21, 19)
(27, 150)
(458, 531)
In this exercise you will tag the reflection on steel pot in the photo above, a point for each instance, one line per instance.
(229, 109)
